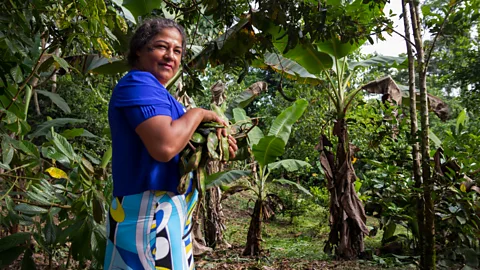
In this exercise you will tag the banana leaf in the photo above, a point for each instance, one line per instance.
(282, 125)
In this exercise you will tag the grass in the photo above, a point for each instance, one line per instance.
(287, 245)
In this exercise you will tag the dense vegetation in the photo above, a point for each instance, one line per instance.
(350, 175)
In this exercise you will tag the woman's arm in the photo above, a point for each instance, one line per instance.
(165, 138)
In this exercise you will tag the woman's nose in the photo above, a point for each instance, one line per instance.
(168, 54)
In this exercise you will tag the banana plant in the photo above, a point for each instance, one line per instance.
(266, 151)
(326, 63)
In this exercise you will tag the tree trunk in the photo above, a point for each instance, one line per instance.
(429, 230)
(413, 133)
(347, 215)
(214, 222)
(198, 242)
(210, 223)
(254, 237)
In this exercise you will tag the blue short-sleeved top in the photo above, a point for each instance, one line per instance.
(137, 97)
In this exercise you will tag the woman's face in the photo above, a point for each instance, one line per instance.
(162, 55)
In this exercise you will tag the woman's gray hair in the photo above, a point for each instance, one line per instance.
(147, 31)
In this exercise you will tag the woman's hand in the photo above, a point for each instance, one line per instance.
(231, 141)
(211, 116)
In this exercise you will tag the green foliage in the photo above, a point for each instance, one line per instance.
(61, 206)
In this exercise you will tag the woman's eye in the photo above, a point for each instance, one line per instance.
(178, 52)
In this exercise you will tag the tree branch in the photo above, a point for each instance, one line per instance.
(400, 34)
(42, 205)
(183, 9)
(20, 89)
(430, 51)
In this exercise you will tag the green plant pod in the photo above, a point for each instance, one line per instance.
(224, 145)
(197, 138)
(183, 185)
(183, 160)
(194, 160)
(212, 144)
(200, 179)
(211, 125)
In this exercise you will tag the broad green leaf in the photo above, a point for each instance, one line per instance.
(461, 119)
(107, 156)
(13, 240)
(100, 235)
(128, 15)
(282, 125)
(50, 230)
(310, 58)
(97, 207)
(290, 69)
(254, 136)
(291, 183)
(462, 220)
(471, 257)
(290, 165)
(61, 62)
(56, 99)
(25, 146)
(52, 153)
(37, 197)
(80, 247)
(304, 53)
(381, 60)
(94, 63)
(434, 138)
(29, 148)
(358, 185)
(17, 75)
(389, 230)
(268, 149)
(112, 68)
(30, 209)
(70, 230)
(76, 132)
(86, 164)
(44, 127)
(56, 173)
(337, 48)
(7, 152)
(10, 255)
(27, 261)
(240, 116)
(226, 177)
(5, 166)
(63, 146)
(140, 8)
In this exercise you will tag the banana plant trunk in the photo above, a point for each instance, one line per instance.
(347, 215)
(214, 220)
(211, 218)
(254, 236)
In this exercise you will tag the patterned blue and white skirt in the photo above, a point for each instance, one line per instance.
(150, 230)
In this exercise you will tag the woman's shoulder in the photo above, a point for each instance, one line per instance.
(138, 77)
(138, 88)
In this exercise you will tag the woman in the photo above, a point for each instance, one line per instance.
(149, 222)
